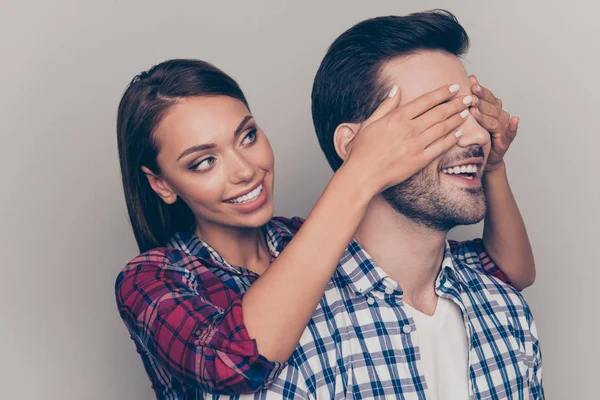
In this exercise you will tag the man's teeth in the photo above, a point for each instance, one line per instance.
(247, 198)
(464, 169)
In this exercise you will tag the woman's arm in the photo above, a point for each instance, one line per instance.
(504, 234)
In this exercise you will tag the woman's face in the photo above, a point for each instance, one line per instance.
(215, 157)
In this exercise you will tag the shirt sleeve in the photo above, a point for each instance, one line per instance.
(536, 388)
(475, 254)
(192, 324)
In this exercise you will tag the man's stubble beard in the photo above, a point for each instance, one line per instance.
(422, 199)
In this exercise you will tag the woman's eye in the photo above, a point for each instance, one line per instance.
(204, 164)
(250, 137)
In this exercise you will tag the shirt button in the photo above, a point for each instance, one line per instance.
(406, 328)
(370, 301)
(389, 290)
(198, 332)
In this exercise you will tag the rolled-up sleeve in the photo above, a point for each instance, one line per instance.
(475, 253)
(191, 323)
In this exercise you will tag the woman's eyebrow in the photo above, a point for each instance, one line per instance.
(242, 125)
(195, 149)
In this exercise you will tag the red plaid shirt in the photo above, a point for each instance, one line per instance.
(182, 305)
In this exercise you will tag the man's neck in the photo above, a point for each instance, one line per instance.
(409, 252)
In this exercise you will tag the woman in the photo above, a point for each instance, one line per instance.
(198, 178)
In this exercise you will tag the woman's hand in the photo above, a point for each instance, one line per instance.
(397, 142)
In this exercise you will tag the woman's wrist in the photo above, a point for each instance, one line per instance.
(356, 183)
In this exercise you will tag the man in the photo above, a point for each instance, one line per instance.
(392, 323)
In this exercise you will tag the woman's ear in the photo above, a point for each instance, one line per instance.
(342, 138)
(160, 187)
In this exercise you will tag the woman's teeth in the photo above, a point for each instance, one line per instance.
(247, 198)
(464, 169)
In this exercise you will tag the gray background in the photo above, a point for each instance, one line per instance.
(64, 230)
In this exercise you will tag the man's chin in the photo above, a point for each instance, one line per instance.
(444, 216)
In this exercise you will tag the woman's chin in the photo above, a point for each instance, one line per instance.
(255, 219)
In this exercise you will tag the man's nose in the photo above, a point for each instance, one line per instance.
(473, 134)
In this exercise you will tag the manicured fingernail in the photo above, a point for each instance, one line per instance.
(458, 134)
(477, 111)
(393, 91)
(478, 88)
(464, 113)
(467, 100)
(454, 88)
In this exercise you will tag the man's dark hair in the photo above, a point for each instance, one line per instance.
(348, 87)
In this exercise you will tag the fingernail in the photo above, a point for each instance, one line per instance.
(478, 88)
(518, 120)
(477, 111)
(464, 113)
(458, 133)
(454, 88)
(393, 91)
(467, 100)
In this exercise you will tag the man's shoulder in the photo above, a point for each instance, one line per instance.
(467, 257)
(492, 295)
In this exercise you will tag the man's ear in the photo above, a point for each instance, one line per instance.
(343, 137)
(160, 187)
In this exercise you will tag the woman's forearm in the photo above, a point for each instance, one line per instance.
(504, 234)
(278, 306)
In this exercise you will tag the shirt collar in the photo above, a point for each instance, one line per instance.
(358, 271)
(361, 274)
(276, 232)
(452, 273)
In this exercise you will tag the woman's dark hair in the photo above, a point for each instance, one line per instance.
(348, 87)
(143, 105)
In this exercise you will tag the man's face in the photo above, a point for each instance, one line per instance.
(443, 194)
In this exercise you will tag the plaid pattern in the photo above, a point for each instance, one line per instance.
(359, 344)
(182, 305)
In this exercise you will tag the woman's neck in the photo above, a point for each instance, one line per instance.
(244, 247)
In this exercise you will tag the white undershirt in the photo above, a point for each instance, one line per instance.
(442, 340)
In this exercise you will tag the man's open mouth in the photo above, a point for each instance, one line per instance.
(467, 171)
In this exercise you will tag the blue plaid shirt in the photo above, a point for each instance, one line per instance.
(361, 343)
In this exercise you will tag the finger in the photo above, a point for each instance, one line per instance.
(473, 80)
(457, 106)
(390, 103)
(429, 100)
(442, 145)
(490, 124)
(491, 110)
(502, 144)
(440, 129)
(513, 126)
(485, 94)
